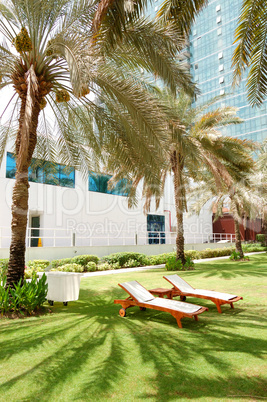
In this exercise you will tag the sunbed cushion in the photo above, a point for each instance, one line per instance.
(137, 291)
(212, 293)
(174, 305)
(184, 287)
(179, 283)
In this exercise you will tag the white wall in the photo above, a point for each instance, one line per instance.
(91, 216)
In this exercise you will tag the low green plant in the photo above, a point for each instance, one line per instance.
(253, 247)
(69, 268)
(189, 263)
(24, 297)
(261, 238)
(91, 266)
(173, 264)
(235, 256)
(132, 263)
(123, 258)
(58, 263)
(35, 266)
(116, 265)
(105, 266)
(3, 268)
(159, 259)
(84, 259)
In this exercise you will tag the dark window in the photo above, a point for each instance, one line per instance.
(44, 172)
(99, 183)
(156, 229)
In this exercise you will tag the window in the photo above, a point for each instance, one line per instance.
(10, 166)
(45, 172)
(219, 31)
(220, 55)
(218, 8)
(99, 183)
(156, 229)
(222, 92)
(219, 19)
(221, 80)
(221, 67)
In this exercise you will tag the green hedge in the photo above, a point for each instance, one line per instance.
(79, 259)
(124, 258)
(261, 238)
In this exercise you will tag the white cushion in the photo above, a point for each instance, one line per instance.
(179, 283)
(175, 305)
(138, 291)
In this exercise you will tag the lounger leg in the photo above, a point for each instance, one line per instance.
(218, 307)
(179, 323)
(232, 305)
(196, 317)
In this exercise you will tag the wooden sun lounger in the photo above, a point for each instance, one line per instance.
(140, 297)
(182, 288)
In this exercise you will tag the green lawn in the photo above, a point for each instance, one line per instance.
(87, 352)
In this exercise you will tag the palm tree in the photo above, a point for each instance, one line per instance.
(51, 61)
(251, 49)
(193, 141)
(235, 190)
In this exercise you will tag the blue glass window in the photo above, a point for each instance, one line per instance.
(99, 183)
(44, 172)
(10, 166)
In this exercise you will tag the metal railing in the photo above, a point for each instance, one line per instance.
(62, 237)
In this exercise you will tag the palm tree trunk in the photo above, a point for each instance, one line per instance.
(20, 196)
(238, 244)
(177, 167)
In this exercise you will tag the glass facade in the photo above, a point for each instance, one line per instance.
(41, 171)
(99, 183)
(211, 49)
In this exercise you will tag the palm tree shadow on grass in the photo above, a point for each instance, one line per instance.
(96, 340)
(228, 269)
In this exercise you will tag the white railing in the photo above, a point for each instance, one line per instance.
(61, 237)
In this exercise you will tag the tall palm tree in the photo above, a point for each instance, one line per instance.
(251, 49)
(51, 60)
(193, 141)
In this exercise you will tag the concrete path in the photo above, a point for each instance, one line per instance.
(124, 270)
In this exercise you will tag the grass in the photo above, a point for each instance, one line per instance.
(87, 352)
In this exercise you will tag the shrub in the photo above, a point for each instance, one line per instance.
(69, 268)
(191, 254)
(3, 268)
(189, 263)
(235, 256)
(91, 266)
(104, 267)
(59, 263)
(261, 238)
(123, 258)
(116, 265)
(24, 297)
(159, 259)
(84, 259)
(35, 266)
(173, 264)
(253, 247)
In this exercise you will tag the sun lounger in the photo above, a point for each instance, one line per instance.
(182, 288)
(140, 297)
